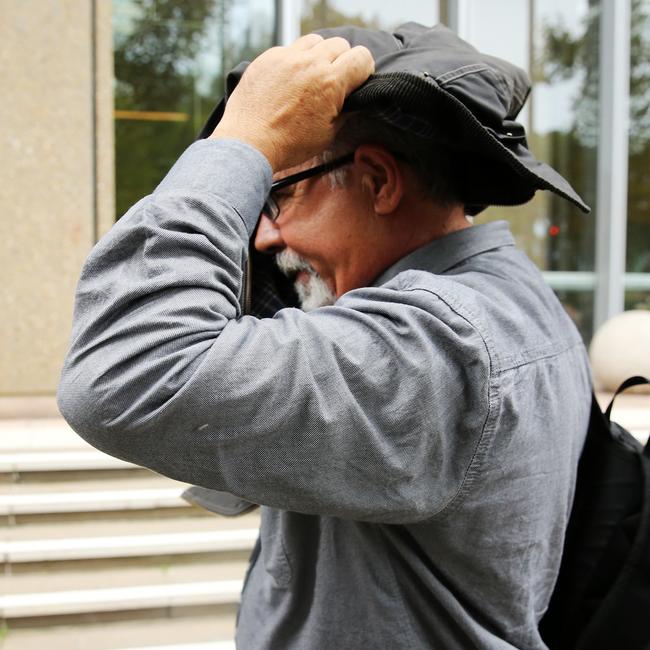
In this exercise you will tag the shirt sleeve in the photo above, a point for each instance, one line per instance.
(372, 409)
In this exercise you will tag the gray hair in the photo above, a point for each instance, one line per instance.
(431, 162)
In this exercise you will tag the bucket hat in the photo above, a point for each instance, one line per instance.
(433, 83)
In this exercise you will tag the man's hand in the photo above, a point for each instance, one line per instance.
(288, 100)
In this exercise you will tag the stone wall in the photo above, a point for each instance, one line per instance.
(56, 171)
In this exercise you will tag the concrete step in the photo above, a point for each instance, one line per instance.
(154, 571)
(104, 555)
(202, 566)
(219, 645)
(120, 546)
(32, 406)
(22, 435)
(42, 503)
(60, 461)
(210, 627)
(141, 493)
(92, 481)
(141, 597)
(89, 527)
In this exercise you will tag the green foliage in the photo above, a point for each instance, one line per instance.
(144, 152)
(170, 57)
(319, 14)
(565, 56)
(153, 62)
(560, 57)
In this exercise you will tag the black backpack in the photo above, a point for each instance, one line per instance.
(602, 597)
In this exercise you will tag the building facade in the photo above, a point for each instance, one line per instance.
(101, 97)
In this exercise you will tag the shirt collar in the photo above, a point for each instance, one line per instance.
(440, 255)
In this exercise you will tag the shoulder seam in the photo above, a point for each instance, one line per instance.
(479, 453)
(543, 353)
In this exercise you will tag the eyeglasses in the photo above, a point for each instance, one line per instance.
(271, 208)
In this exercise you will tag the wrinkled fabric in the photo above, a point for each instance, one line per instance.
(414, 446)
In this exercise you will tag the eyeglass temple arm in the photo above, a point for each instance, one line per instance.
(313, 171)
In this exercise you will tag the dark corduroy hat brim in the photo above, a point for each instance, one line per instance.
(429, 81)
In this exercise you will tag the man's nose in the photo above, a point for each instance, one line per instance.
(268, 238)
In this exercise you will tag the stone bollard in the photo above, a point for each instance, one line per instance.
(621, 348)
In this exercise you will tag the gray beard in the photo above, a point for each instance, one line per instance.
(314, 292)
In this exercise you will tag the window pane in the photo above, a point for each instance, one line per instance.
(637, 300)
(562, 122)
(558, 46)
(638, 223)
(170, 59)
(377, 14)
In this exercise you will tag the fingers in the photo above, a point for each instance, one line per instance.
(306, 42)
(327, 48)
(288, 100)
(354, 65)
(331, 48)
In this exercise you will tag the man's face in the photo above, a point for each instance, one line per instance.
(318, 238)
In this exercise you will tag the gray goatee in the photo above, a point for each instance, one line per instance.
(314, 292)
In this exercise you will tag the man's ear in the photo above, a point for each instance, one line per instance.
(381, 177)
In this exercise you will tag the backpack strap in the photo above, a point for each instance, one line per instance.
(637, 380)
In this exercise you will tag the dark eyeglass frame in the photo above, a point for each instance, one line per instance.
(272, 210)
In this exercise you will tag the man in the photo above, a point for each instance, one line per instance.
(413, 445)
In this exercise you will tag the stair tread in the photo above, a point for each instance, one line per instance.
(60, 460)
(212, 628)
(127, 546)
(127, 526)
(120, 599)
(93, 485)
(38, 434)
(63, 575)
(103, 577)
(222, 645)
(145, 493)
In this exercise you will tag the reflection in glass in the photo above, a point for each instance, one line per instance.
(170, 59)
(563, 132)
(375, 14)
(637, 300)
(638, 219)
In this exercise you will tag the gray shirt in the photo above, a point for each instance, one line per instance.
(414, 446)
